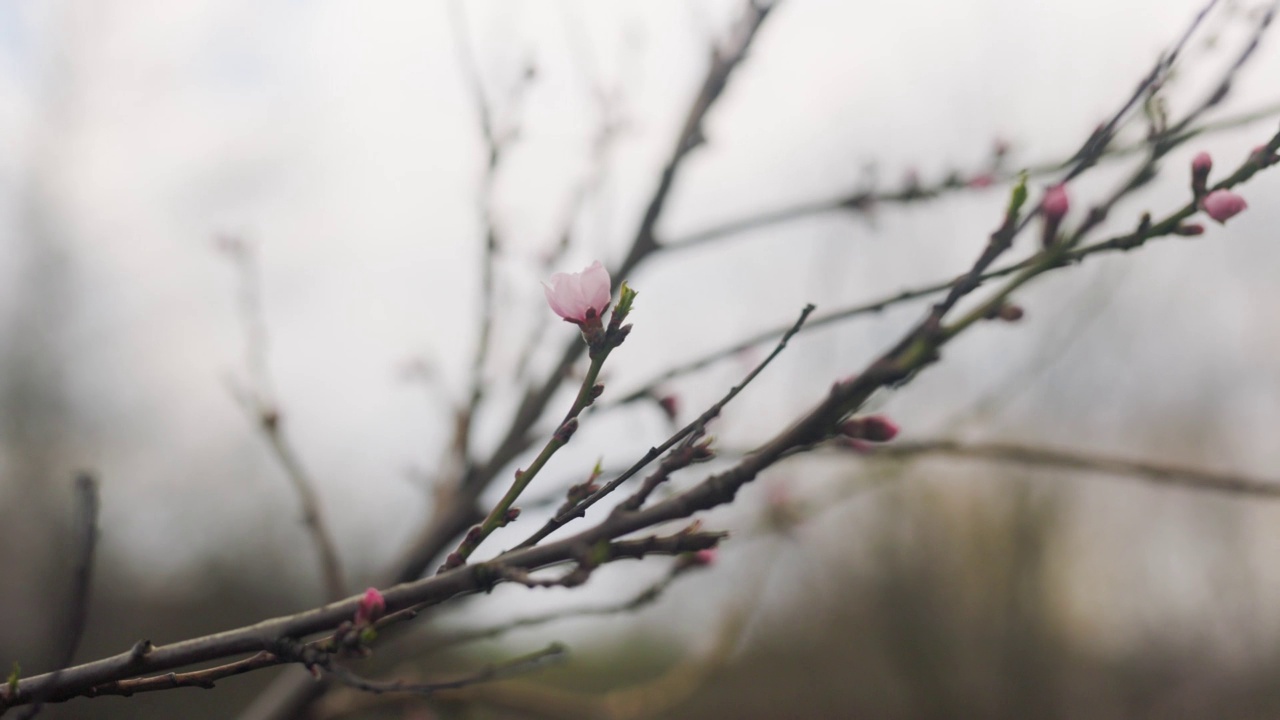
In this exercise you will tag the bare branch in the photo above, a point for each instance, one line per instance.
(1159, 473)
(580, 509)
(451, 521)
(266, 637)
(259, 404)
(496, 671)
(86, 523)
(642, 599)
(909, 194)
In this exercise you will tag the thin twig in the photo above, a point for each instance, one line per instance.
(865, 201)
(642, 599)
(449, 522)
(258, 402)
(580, 509)
(309, 502)
(495, 143)
(1160, 473)
(86, 524)
(496, 671)
(265, 638)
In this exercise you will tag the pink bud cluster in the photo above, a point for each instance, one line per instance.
(1221, 205)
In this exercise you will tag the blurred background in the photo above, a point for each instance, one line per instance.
(339, 143)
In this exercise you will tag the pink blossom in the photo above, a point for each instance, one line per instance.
(371, 607)
(573, 295)
(1223, 205)
(1055, 203)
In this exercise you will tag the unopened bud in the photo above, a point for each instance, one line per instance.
(565, 431)
(873, 428)
(1201, 164)
(670, 405)
(1008, 312)
(1189, 229)
(1222, 205)
(1055, 203)
(371, 607)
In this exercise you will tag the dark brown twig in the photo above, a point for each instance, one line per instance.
(580, 509)
(461, 511)
(865, 201)
(259, 404)
(265, 638)
(86, 524)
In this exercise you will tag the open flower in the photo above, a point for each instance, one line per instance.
(573, 295)
(1223, 205)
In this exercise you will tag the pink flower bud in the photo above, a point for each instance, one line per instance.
(705, 557)
(1201, 164)
(371, 607)
(1055, 203)
(575, 295)
(1223, 205)
(670, 405)
(873, 428)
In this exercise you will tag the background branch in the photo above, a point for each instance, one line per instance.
(1159, 473)
(86, 525)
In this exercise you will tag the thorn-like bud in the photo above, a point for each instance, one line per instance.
(512, 514)
(473, 535)
(597, 390)
(565, 431)
(1189, 229)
